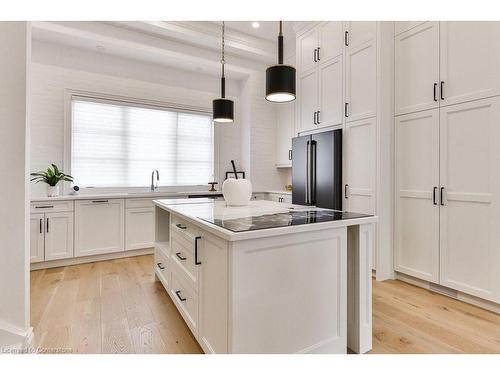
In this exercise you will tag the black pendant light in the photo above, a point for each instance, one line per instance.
(280, 79)
(223, 109)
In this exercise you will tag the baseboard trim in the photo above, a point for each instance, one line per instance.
(18, 340)
(449, 292)
(90, 259)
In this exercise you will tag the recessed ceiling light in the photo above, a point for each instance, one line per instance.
(255, 25)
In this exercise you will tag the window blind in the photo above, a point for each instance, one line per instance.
(117, 144)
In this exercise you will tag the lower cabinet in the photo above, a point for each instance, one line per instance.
(280, 198)
(99, 227)
(37, 238)
(139, 228)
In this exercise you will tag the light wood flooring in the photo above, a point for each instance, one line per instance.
(117, 307)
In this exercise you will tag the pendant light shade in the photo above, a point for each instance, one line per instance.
(223, 109)
(280, 79)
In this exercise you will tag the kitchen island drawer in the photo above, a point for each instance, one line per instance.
(163, 267)
(183, 257)
(186, 300)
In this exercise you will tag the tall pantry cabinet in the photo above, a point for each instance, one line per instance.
(447, 179)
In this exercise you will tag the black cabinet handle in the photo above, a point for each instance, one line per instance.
(314, 118)
(442, 90)
(179, 256)
(178, 294)
(435, 91)
(441, 196)
(47, 225)
(180, 226)
(44, 206)
(101, 201)
(345, 191)
(318, 118)
(289, 154)
(196, 250)
(346, 109)
(346, 38)
(41, 226)
(160, 266)
(314, 55)
(319, 59)
(434, 196)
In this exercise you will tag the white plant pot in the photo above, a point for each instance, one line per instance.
(52, 191)
(237, 192)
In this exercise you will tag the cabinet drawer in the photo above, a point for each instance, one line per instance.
(186, 301)
(163, 267)
(139, 203)
(59, 206)
(182, 252)
(184, 228)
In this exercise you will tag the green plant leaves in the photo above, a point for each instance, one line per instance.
(52, 176)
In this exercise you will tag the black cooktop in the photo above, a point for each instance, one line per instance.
(285, 219)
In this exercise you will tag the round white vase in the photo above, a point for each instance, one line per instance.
(52, 191)
(237, 192)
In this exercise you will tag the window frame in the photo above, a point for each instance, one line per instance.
(136, 102)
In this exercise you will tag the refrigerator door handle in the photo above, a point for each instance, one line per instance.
(307, 172)
(313, 172)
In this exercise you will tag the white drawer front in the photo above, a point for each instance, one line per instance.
(184, 228)
(163, 267)
(139, 203)
(186, 301)
(183, 258)
(54, 206)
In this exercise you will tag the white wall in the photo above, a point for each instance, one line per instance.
(15, 39)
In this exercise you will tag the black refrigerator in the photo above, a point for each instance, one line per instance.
(317, 170)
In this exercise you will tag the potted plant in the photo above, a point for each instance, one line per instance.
(51, 177)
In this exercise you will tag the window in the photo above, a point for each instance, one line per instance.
(119, 144)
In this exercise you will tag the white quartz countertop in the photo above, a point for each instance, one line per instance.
(198, 211)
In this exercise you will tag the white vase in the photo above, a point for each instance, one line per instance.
(237, 192)
(52, 191)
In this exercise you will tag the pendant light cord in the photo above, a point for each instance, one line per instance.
(280, 44)
(223, 61)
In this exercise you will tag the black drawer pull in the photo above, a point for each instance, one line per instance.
(41, 225)
(160, 266)
(441, 196)
(435, 91)
(44, 206)
(101, 201)
(179, 256)
(178, 294)
(196, 250)
(434, 196)
(180, 226)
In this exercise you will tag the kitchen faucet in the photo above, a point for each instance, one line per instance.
(153, 187)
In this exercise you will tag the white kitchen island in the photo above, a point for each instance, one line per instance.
(269, 277)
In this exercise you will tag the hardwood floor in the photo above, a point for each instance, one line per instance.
(117, 307)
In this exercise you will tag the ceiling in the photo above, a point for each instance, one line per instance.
(267, 29)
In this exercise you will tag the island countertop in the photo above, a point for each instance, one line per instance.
(207, 214)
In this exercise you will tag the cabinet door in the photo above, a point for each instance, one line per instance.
(308, 100)
(285, 129)
(58, 235)
(330, 97)
(417, 69)
(213, 295)
(417, 181)
(306, 46)
(360, 156)
(469, 60)
(330, 41)
(37, 230)
(139, 228)
(360, 32)
(99, 227)
(470, 215)
(361, 81)
(402, 26)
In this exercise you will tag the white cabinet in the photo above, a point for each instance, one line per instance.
(417, 69)
(470, 211)
(37, 237)
(469, 61)
(58, 235)
(416, 247)
(330, 93)
(402, 26)
(99, 226)
(359, 175)
(51, 231)
(139, 228)
(361, 82)
(285, 128)
(330, 41)
(308, 100)
(280, 198)
(358, 32)
(307, 46)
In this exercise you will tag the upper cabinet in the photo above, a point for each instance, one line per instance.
(445, 63)
(307, 49)
(402, 26)
(357, 32)
(330, 41)
(285, 128)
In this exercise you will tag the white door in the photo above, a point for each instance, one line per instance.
(213, 295)
(469, 61)
(99, 227)
(37, 230)
(330, 97)
(307, 46)
(330, 41)
(58, 235)
(308, 100)
(416, 244)
(402, 26)
(470, 215)
(360, 156)
(139, 228)
(417, 69)
(360, 32)
(285, 129)
(361, 82)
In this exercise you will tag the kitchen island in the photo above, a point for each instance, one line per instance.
(268, 277)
